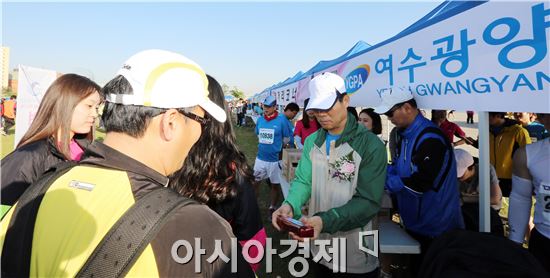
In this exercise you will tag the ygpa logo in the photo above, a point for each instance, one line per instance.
(356, 78)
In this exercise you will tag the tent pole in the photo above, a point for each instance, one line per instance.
(484, 186)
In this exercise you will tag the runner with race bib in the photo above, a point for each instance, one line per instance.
(273, 131)
(531, 175)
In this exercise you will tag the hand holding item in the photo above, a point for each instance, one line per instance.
(312, 228)
(297, 229)
(285, 211)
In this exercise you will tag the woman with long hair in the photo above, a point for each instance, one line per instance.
(371, 120)
(305, 127)
(216, 173)
(61, 130)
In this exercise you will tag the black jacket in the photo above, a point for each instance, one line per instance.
(474, 254)
(26, 164)
(189, 222)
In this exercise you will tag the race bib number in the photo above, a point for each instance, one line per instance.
(544, 198)
(266, 136)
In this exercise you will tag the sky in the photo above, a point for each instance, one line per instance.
(250, 45)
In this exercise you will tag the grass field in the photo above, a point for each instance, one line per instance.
(7, 142)
(248, 143)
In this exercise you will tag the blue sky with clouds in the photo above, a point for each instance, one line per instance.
(251, 45)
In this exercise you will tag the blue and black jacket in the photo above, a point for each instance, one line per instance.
(429, 204)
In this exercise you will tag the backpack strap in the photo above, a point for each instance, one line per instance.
(16, 252)
(119, 249)
(436, 130)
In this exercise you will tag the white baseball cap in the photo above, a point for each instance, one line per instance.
(463, 161)
(324, 90)
(394, 96)
(165, 79)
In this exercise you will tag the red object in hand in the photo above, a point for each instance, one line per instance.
(292, 225)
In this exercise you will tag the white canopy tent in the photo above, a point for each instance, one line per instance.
(484, 56)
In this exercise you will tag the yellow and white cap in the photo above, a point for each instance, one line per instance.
(165, 79)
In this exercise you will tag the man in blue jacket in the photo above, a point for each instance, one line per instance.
(423, 176)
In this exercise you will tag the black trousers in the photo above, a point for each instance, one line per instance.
(539, 246)
(470, 119)
(8, 123)
(416, 260)
(239, 119)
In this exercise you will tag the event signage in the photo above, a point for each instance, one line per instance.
(492, 57)
(32, 85)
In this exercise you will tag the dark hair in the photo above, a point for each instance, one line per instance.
(376, 120)
(438, 115)
(497, 114)
(411, 102)
(215, 165)
(353, 111)
(56, 111)
(340, 96)
(305, 116)
(292, 107)
(132, 120)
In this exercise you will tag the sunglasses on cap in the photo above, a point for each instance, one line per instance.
(201, 120)
(389, 114)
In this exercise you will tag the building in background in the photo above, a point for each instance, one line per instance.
(12, 82)
(5, 66)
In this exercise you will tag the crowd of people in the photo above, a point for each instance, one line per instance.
(170, 169)
(435, 186)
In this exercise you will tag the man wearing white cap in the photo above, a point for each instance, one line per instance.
(467, 172)
(273, 131)
(341, 174)
(153, 116)
(423, 175)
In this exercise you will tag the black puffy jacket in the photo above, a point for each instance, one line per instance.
(26, 164)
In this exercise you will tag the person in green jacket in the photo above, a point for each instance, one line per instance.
(342, 174)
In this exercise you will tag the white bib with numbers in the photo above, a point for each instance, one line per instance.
(543, 203)
(266, 136)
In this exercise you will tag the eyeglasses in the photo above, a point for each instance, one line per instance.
(201, 120)
(389, 114)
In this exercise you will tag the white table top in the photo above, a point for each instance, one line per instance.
(395, 240)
